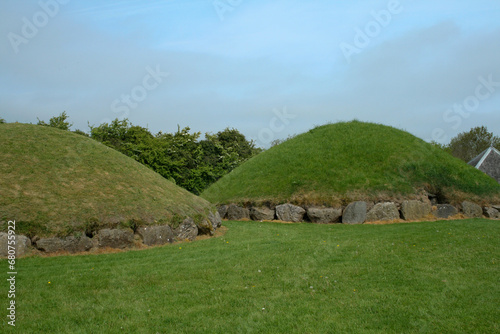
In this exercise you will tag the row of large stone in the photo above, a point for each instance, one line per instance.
(115, 238)
(357, 212)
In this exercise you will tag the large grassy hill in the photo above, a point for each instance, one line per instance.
(348, 161)
(57, 182)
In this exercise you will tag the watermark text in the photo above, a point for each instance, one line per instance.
(30, 28)
(11, 273)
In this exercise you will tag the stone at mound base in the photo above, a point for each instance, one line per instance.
(415, 210)
(215, 219)
(187, 230)
(222, 209)
(355, 213)
(262, 213)
(115, 238)
(472, 210)
(290, 213)
(235, 212)
(324, 215)
(205, 227)
(445, 211)
(50, 245)
(492, 213)
(22, 243)
(156, 235)
(76, 245)
(383, 211)
(69, 244)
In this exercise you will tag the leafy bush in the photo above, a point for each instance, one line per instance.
(192, 163)
(58, 122)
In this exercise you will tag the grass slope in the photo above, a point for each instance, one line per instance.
(439, 277)
(347, 161)
(57, 182)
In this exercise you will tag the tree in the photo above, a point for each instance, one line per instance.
(2, 120)
(58, 122)
(232, 140)
(180, 157)
(467, 145)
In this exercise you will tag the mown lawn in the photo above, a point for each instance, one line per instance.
(439, 277)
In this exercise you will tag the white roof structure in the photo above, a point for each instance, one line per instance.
(488, 162)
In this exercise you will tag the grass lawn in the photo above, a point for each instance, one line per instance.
(439, 277)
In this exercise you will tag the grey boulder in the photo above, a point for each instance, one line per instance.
(472, 210)
(215, 219)
(261, 213)
(156, 235)
(355, 213)
(187, 230)
(491, 212)
(205, 227)
(383, 211)
(21, 245)
(222, 209)
(324, 215)
(415, 210)
(115, 238)
(445, 211)
(69, 244)
(290, 213)
(50, 245)
(235, 212)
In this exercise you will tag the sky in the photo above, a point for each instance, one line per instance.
(270, 69)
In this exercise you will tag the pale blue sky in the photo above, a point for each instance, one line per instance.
(241, 64)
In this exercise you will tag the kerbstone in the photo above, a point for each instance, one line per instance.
(156, 235)
(445, 211)
(261, 213)
(355, 213)
(187, 230)
(235, 212)
(472, 210)
(290, 213)
(324, 215)
(22, 244)
(415, 210)
(383, 211)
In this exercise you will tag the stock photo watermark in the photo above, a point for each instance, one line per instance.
(224, 6)
(276, 125)
(30, 28)
(138, 93)
(460, 111)
(11, 272)
(371, 30)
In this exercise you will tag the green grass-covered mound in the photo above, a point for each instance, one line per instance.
(340, 162)
(57, 182)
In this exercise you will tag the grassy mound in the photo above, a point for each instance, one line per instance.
(58, 182)
(349, 161)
